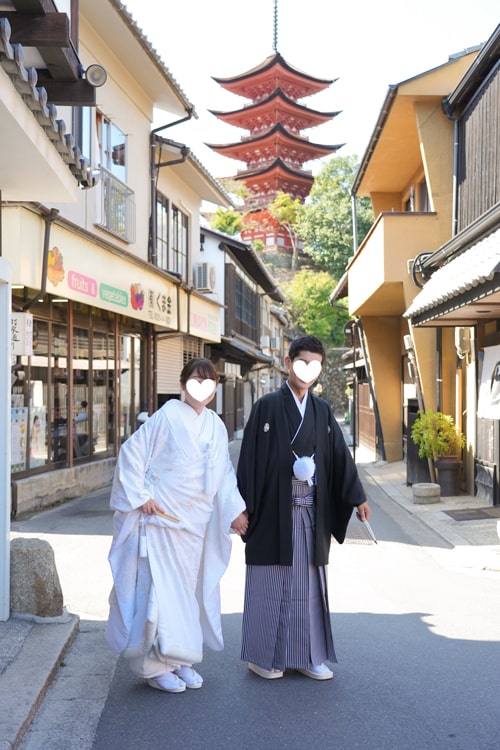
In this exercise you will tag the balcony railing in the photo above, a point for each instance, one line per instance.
(116, 209)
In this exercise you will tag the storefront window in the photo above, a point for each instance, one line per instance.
(136, 405)
(112, 390)
(129, 385)
(82, 423)
(59, 392)
(38, 391)
(100, 369)
(91, 388)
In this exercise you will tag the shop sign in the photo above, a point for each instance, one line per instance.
(21, 334)
(204, 319)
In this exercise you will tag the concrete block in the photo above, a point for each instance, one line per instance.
(35, 588)
(53, 487)
(426, 492)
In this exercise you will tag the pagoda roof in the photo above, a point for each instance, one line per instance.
(275, 142)
(277, 175)
(274, 72)
(277, 107)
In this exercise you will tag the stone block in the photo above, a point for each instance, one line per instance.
(35, 588)
(426, 492)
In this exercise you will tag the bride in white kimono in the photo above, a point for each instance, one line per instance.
(175, 499)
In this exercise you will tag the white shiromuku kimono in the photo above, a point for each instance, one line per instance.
(165, 601)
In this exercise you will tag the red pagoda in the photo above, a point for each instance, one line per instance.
(275, 150)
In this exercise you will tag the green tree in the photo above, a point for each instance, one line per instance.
(310, 309)
(229, 222)
(325, 220)
(285, 210)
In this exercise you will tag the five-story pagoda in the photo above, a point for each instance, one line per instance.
(274, 150)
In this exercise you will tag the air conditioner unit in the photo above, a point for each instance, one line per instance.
(264, 342)
(204, 279)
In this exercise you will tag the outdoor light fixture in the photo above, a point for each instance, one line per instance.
(95, 75)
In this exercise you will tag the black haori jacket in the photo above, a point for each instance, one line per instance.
(265, 481)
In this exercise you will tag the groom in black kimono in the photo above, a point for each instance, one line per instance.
(300, 485)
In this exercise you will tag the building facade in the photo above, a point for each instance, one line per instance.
(254, 325)
(423, 286)
(102, 241)
(460, 281)
(407, 172)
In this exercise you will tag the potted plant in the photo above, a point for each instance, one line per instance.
(438, 439)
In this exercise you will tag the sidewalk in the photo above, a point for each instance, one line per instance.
(471, 534)
(31, 652)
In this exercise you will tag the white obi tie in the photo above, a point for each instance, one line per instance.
(304, 468)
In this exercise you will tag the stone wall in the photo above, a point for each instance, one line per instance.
(53, 487)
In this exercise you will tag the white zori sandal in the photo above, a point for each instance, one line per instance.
(190, 676)
(168, 682)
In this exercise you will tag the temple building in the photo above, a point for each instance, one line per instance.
(274, 150)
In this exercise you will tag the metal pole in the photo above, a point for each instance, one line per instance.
(5, 388)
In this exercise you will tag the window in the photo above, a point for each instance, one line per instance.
(179, 241)
(82, 418)
(130, 365)
(162, 205)
(112, 147)
(245, 310)
(424, 196)
(83, 125)
(59, 391)
(172, 237)
(116, 212)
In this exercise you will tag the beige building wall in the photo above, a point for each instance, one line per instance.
(436, 138)
(122, 100)
(384, 354)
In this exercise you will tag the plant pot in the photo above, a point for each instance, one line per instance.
(449, 470)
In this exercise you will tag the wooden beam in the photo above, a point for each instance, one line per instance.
(62, 63)
(69, 93)
(51, 30)
(35, 7)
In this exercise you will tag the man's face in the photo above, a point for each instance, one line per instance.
(304, 370)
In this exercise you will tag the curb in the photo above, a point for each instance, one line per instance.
(26, 679)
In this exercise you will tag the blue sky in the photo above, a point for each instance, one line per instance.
(364, 44)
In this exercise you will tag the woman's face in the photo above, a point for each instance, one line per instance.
(199, 391)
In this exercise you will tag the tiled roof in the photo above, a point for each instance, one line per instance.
(470, 269)
(36, 99)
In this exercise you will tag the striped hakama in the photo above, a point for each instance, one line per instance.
(286, 620)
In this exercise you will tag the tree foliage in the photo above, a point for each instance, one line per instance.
(229, 222)
(285, 210)
(310, 309)
(325, 220)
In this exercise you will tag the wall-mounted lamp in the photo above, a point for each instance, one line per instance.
(95, 75)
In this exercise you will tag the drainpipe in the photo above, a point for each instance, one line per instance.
(454, 230)
(439, 368)
(154, 167)
(454, 216)
(355, 244)
(48, 218)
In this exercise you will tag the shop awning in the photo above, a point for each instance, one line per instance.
(245, 352)
(463, 290)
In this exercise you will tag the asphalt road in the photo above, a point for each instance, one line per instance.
(418, 647)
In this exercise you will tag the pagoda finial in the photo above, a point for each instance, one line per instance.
(275, 43)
